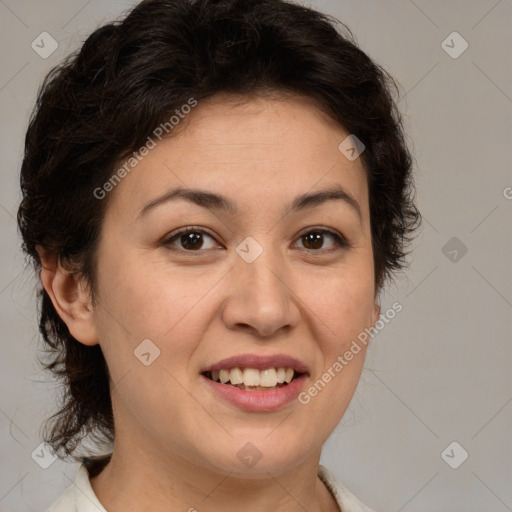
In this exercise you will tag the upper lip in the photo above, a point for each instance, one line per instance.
(258, 362)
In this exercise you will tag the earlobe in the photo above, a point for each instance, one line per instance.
(70, 298)
(375, 314)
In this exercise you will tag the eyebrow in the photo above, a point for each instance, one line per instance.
(212, 201)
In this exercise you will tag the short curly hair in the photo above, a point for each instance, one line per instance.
(101, 103)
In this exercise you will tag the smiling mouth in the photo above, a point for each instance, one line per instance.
(252, 379)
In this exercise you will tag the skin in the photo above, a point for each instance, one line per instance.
(176, 442)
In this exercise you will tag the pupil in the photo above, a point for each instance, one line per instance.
(313, 239)
(190, 240)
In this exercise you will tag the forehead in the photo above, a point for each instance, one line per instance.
(254, 149)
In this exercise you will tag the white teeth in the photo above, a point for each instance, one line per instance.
(268, 378)
(236, 376)
(252, 377)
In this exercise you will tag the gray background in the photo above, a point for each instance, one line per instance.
(441, 370)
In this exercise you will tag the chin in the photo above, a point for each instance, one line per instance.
(255, 455)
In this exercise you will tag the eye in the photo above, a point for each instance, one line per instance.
(314, 239)
(191, 239)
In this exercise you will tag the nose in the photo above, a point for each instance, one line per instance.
(260, 296)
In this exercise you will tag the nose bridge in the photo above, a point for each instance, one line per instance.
(262, 269)
(259, 296)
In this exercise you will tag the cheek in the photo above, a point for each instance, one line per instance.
(140, 301)
(340, 309)
(341, 302)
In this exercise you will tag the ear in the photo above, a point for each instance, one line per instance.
(375, 314)
(70, 298)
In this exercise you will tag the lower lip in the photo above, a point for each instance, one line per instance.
(258, 401)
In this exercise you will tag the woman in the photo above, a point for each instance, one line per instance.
(214, 194)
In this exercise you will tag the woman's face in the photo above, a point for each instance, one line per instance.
(255, 285)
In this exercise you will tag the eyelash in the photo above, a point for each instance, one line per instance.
(340, 241)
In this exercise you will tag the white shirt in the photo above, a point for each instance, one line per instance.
(80, 497)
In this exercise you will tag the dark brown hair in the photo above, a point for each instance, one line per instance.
(102, 102)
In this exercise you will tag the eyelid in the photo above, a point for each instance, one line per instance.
(341, 242)
(183, 231)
